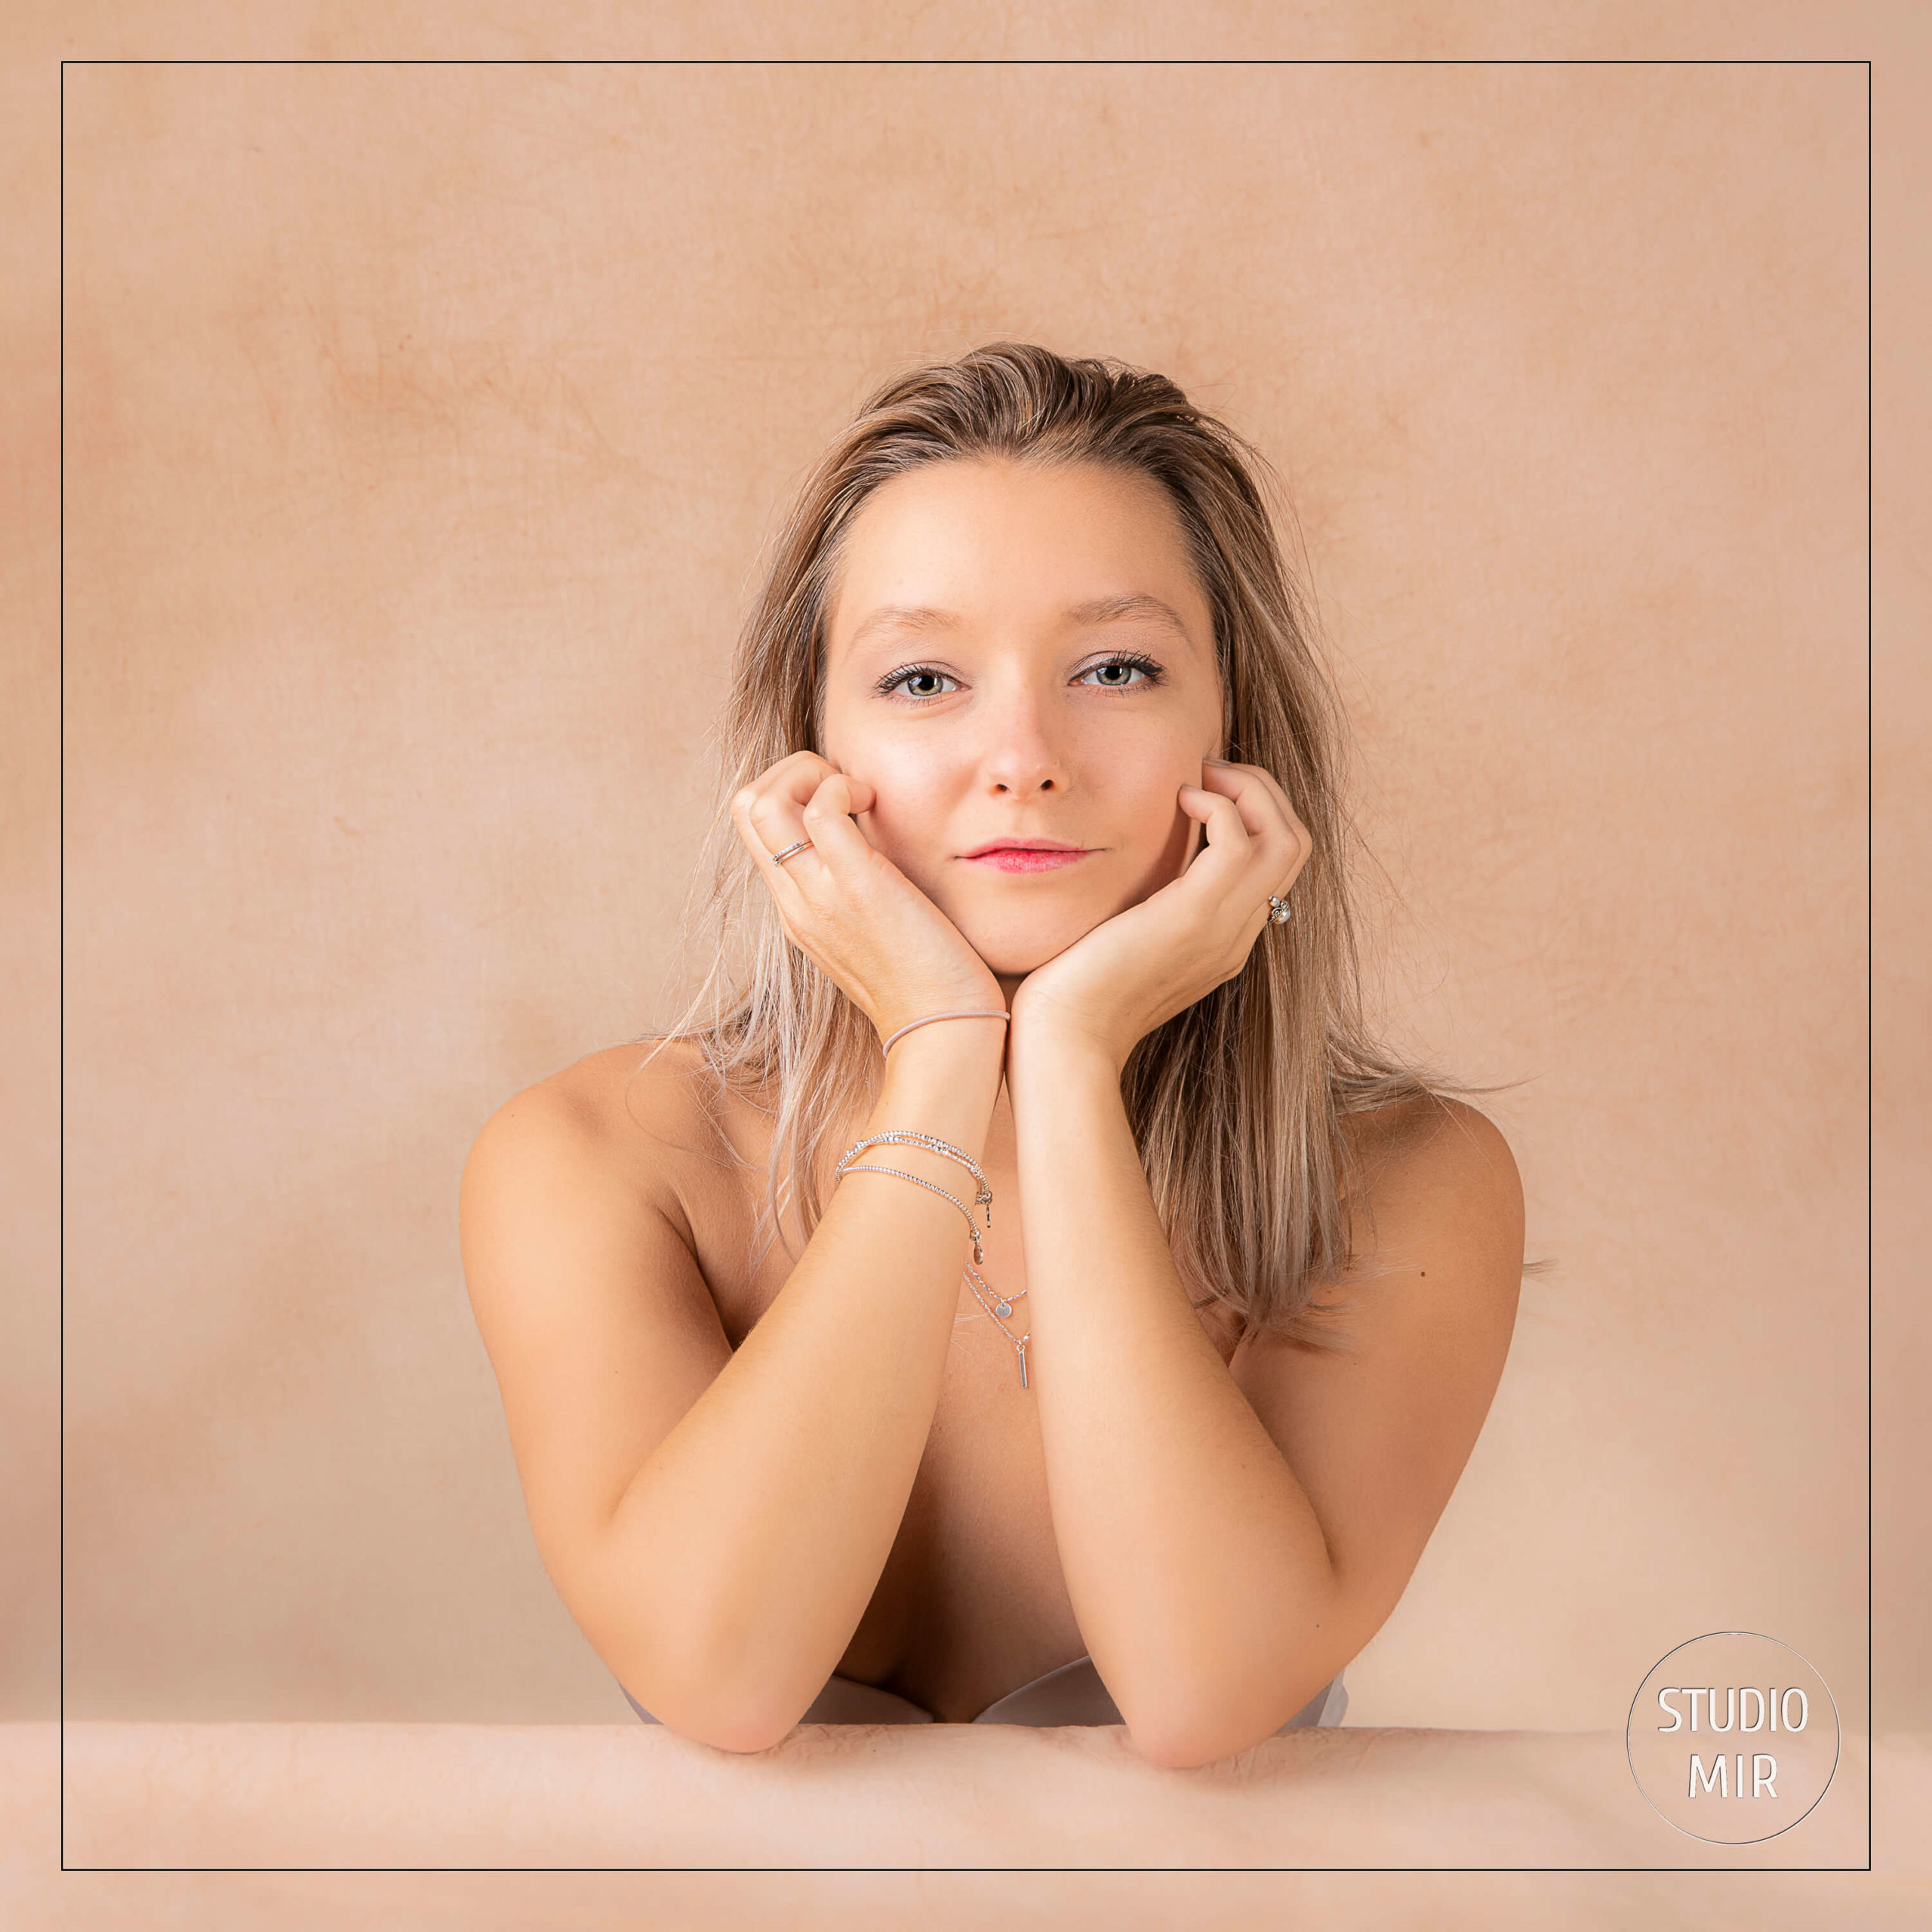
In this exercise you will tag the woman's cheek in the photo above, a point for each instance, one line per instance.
(913, 797)
(908, 828)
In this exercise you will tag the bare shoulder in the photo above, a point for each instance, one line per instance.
(630, 1111)
(1378, 1432)
(1438, 1163)
(588, 1290)
(644, 1089)
(1403, 1127)
(574, 1147)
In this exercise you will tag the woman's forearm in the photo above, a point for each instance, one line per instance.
(751, 1539)
(1195, 1562)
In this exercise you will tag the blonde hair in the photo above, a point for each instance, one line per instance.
(1237, 1102)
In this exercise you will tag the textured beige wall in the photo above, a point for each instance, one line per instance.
(421, 425)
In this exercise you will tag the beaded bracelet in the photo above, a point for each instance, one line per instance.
(1001, 1306)
(913, 1137)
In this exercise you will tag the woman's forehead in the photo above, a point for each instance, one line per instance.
(1050, 553)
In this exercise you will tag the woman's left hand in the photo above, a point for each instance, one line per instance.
(1116, 984)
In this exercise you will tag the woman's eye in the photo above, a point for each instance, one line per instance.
(915, 676)
(917, 684)
(1151, 673)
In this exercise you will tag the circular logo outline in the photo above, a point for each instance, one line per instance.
(1838, 1735)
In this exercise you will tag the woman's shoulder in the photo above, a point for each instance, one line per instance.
(648, 1112)
(1397, 1127)
(644, 1094)
(1431, 1147)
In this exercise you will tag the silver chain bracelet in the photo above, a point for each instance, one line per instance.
(1000, 1306)
(912, 1137)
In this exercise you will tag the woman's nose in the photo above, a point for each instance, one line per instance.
(1022, 770)
(1021, 757)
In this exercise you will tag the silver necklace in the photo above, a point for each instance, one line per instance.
(1000, 1308)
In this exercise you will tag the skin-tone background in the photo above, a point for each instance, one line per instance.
(421, 428)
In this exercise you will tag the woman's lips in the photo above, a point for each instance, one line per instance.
(1016, 858)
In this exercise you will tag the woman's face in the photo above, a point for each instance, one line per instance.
(1025, 654)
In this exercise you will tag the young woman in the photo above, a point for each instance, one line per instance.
(1036, 846)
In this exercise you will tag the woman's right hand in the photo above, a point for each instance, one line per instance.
(875, 935)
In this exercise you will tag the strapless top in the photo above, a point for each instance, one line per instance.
(1072, 1694)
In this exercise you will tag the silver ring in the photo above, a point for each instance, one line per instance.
(803, 845)
(1279, 911)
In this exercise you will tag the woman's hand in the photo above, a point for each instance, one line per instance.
(1116, 984)
(879, 939)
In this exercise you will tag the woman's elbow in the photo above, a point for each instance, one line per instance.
(1170, 1734)
(676, 1672)
(1181, 1748)
(707, 1709)
(745, 1736)
(1180, 1733)
(746, 1728)
(1175, 1748)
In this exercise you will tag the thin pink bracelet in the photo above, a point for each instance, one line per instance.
(1002, 1014)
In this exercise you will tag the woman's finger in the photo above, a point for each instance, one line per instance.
(769, 816)
(1264, 807)
(1267, 814)
(1260, 773)
(1229, 903)
(767, 821)
(1238, 841)
(1229, 849)
(827, 819)
(802, 800)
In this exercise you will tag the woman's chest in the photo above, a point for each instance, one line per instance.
(970, 1603)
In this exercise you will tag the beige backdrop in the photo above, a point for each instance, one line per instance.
(422, 425)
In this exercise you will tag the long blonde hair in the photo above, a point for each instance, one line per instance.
(1237, 1102)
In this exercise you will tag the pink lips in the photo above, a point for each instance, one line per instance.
(1021, 859)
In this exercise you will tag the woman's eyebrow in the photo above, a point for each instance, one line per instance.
(1095, 611)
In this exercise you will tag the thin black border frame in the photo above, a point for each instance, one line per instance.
(1871, 1719)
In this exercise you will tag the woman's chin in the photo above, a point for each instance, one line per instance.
(1010, 960)
(1014, 939)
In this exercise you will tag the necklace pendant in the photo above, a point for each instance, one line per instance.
(1003, 1309)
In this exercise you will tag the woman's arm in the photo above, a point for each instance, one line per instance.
(736, 1537)
(1214, 1599)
